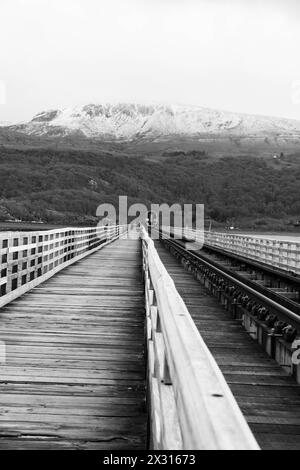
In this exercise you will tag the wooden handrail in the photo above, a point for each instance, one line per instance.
(29, 258)
(191, 405)
(282, 254)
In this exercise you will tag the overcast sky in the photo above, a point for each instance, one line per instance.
(239, 55)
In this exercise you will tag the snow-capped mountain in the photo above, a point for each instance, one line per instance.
(131, 121)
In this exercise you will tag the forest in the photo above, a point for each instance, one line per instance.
(66, 186)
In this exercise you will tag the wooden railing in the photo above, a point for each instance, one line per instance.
(29, 258)
(278, 253)
(191, 405)
(281, 254)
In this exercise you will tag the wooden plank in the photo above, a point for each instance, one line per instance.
(111, 443)
(269, 398)
(74, 371)
(32, 258)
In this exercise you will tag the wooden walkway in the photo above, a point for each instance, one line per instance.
(74, 371)
(269, 399)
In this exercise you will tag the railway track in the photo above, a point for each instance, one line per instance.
(268, 316)
(260, 373)
(248, 283)
(280, 285)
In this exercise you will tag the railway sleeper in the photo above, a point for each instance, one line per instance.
(245, 270)
(278, 338)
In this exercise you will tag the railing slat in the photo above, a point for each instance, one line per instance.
(29, 258)
(281, 254)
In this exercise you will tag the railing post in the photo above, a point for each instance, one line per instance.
(29, 258)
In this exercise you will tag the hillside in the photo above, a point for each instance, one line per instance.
(155, 128)
(129, 121)
(66, 186)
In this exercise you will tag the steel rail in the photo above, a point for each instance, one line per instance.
(293, 317)
(280, 273)
(277, 297)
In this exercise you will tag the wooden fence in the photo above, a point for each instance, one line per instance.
(29, 258)
(191, 405)
(281, 254)
(278, 253)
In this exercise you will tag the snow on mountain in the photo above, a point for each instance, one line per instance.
(130, 121)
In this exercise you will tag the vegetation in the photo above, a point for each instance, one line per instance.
(66, 186)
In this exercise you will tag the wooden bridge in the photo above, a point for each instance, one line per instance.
(108, 343)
